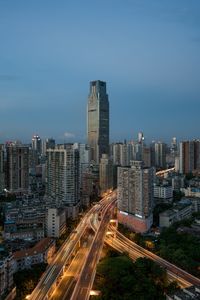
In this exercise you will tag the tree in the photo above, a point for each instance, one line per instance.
(26, 280)
(119, 278)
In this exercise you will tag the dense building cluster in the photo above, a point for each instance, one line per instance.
(44, 184)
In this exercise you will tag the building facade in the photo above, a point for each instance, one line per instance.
(160, 155)
(189, 156)
(182, 210)
(2, 174)
(105, 174)
(55, 222)
(98, 120)
(135, 196)
(42, 252)
(37, 144)
(6, 275)
(17, 168)
(48, 144)
(63, 172)
(163, 192)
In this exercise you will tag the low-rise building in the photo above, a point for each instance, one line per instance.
(13, 230)
(25, 210)
(163, 192)
(182, 210)
(195, 203)
(24, 219)
(178, 182)
(6, 274)
(189, 293)
(42, 252)
(55, 222)
(191, 191)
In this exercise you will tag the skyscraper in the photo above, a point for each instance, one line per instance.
(98, 120)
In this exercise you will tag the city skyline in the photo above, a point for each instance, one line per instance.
(148, 54)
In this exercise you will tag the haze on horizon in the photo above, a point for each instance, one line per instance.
(148, 52)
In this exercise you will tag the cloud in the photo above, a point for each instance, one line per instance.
(69, 135)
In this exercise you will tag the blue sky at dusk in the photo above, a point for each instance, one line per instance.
(148, 52)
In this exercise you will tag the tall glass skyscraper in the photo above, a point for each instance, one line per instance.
(98, 120)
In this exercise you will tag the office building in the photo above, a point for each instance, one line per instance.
(98, 120)
(135, 196)
(17, 168)
(105, 174)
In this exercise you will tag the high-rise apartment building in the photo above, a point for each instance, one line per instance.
(122, 154)
(17, 167)
(135, 196)
(37, 144)
(84, 155)
(189, 157)
(98, 120)
(174, 146)
(48, 144)
(2, 174)
(146, 156)
(63, 183)
(140, 137)
(105, 174)
(116, 153)
(160, 155)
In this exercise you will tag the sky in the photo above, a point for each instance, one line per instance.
(148, 52)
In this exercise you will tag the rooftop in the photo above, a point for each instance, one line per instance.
(40, 247)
